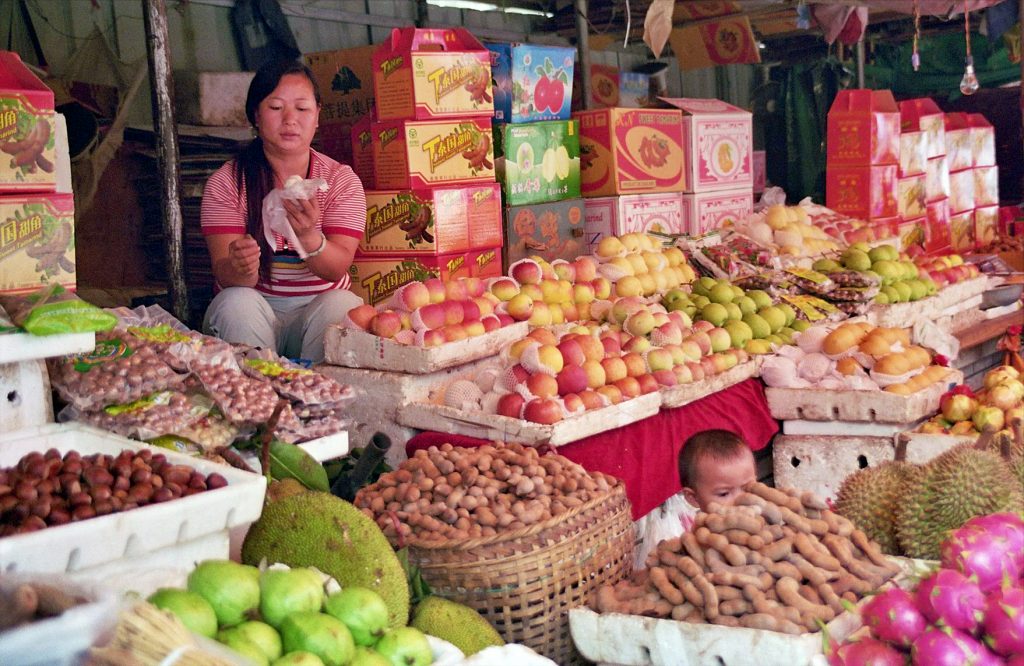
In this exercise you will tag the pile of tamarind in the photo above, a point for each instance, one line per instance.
(455, 493)
(775, 560)
(29, 602)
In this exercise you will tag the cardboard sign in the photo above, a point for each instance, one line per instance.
(717, 143)
(375, 279)
(614, 216)
(361, 151)
(37, 242)
(727, 41)
(538, 162)
(422, 74)
(706, 211)
(863, 129)
(924, 115)
(485, 263)
(27, 141)
(548, 230)
(865, 192)
(531, 82)
(420, 154)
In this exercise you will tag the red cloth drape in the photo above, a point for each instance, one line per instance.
(644, 454)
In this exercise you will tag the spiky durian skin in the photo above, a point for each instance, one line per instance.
(869, 497)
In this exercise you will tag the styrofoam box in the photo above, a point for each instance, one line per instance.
(172, 533)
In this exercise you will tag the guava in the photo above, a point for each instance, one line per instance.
(405, 646)
(524, 158)
(362, 610)
(194, 611)
(246, 648)
(367, 657)
(321, 634)
(298, 658)
(260, 634)
(283, 592)
(232, 589)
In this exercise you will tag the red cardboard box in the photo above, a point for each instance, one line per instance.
(361, 149)
(913, 153)
(345, 77)
(27, 136)
(937, 236)
(630, 151)
(37, 242)
(913, 235)
(423, 74)
(374, 279)
(936, 183)
(760, 171)
(910, 196)
(614, 216)
(961, 231)
(549, 230)
(863, 129)
(885, 227)
(959, 152)
(718, 145)
(924, 115)
(865, 192)
(961, 191)
(485, 263)
(986, 226)
(986, 186)
(421, 154)
(708, 211)
(983, 140)
(604, 86)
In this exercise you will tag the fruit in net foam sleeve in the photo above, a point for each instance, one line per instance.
(361, 316)
(320, 634)
(322, 531)
(362, 610)
(283, 592)
(193, 610)
(456, 623)
(405, 646)
(231, 589)
(543, 410)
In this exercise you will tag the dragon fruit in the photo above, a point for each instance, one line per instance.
(893, 617)
(987, 549)
(1004, 621)
(865, 652)
(949, 647)
(949, 598)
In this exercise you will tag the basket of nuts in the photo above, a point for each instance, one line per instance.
(519, 536)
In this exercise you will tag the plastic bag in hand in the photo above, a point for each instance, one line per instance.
(275, 218)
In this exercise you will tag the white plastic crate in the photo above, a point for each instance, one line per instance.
(174, 533)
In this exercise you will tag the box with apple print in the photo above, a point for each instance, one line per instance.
(531, 82)
(538, 162)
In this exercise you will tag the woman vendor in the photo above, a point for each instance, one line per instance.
(270, 297)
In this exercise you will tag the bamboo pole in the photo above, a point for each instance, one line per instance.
(583, 49)
(165, 128)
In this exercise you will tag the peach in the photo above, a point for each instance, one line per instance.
(557, 314)
(612, 393)
(543, 336)
(614, 369)
(550, 292)
(572, 352)
(406, 320)
(405, 337)
(543, 410)
(678, 356)
(665, 377)
(583, 293)
(511, 405)
(595, 374)
(455, 290)
(526, 271)
(702, 326)
(702, 340)
(648, 285)
(564, 270)
(504, 288)
(612, 346)
(431, 337)
(520, 307)
(658, 359)
(725, 360)
(573, 404)
(638, 345)
(586, 269)
(572, 379)
(667, 334)
(454, 332)
(570, 311)
(623, 307)
(386, 324)
(710, 366)
(546, 270)
(453, 312)
(629, 387)
(483, 304)
(514, 351)
(648, 384)
(533, 291)
(470, 310)
(541, 315)
(474, 286)
(411, 296)
(564, 291)
(696, 370)
(628, 285)
(429, 316)
(474, 328)
(720, 339)
(491, 322)
(542, 358)
(505, 319)
(361, 316)
(436, 289)
(592, 399)
(542, 385)
(680, 319)
(593, 350)
(602, 288)
(635, 364)
(683, 374)
(640, 323)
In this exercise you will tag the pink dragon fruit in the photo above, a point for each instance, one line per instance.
(947, 597)
(987, 549)
(1004, 621)
(865, 652)
(949, 647)
(893, 617)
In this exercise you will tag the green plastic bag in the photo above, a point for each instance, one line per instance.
(53, 310)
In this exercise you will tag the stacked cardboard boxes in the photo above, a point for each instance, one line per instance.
(345, 77)
(427, 161)
(923, 137)
(961, 181)
(538, 151)
(37, 220)
(986, 180)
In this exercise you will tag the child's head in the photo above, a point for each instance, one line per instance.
(714, 465)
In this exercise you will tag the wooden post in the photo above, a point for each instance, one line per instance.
(583, 49)
(162, 93)
(860, 62)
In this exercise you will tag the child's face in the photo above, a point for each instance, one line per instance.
(720, 481)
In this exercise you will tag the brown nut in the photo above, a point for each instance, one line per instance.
(83, 513)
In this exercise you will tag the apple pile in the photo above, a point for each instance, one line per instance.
(432, 312)
(946, 269)
(962, 412)
(545, 293)
(788, 230)
(638, 265)
(849, 230)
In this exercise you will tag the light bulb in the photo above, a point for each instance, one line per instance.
(969, 84)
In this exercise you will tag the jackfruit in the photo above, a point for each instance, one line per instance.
(319, 530)
(869, 498)
(960, 484)
(456, 623)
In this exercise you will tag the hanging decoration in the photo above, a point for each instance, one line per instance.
(968, 84)
(658, 25)
(915, 59)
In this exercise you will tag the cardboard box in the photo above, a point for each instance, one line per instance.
(440, 220)
(937, 235)
(718, 145)
(936, 182)
(863, 129)
(538, 162)
(986, 226)
(961, 231)
(215, 99)
(419, 154)
(345, 77)
(983, 140)
(630, 151)
(986, 186)
(423, 74)
(884, 227)
(548, 230)
(485, 263)
(374, 279)
(37, 242)
(361, 152)
(959, 150)
(707, 211)
(27, 137)
(913, 235)
(634, 90)
(865, 192)
(760, 170)
(961, 191)
(913, 153)
(531, 82)
(614, 216)
(910, 196)
(604, 86)
(924, 115)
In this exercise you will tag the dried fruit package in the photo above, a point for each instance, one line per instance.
(53, 309)
(163, 413)
(294, 382)
(242, 399)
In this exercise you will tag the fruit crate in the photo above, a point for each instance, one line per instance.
(354, 348)
(441, 418)
(920, 447)
(877, 406)
(901, 315)
(684, 394)
(169, 534)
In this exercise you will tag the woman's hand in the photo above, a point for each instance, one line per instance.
(244, 254)
(303, 215)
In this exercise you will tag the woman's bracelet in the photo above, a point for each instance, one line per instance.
(320, 250)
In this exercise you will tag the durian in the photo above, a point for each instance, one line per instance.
(869, 498)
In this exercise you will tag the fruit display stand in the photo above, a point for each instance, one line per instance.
(441, 418)
(920, 447)
(24, 382)
(684, 394)
(949, 301)
(186, 529)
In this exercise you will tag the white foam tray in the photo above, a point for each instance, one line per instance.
(684, 394)
(15, 347)
(182, 530)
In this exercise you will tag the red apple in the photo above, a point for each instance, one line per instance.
(648, 384)
(511, 405)
(543, 410)
(572, 379)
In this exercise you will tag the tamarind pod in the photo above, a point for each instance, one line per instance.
(769, 622)
(729, 579)
(808, 622)
(755, 542)
(851, 583)
(778, 550)
(726, 621)
(701, 532)
(693, 549)
(830, 597)
(809, 571)
(670, 545)
(774, 495)
(735, 521)
(629, 591)
(871, 549)
(652, 560)
(696, 617)
(738, 537)
(714, 561)
(605, 600)
(692, 594)
(810, 594)
(680, 613)
(769, 511)
(734, 607)
(659, 578)
(788, 590)
(699, 521)
(837, 524)
(780, 569)
(707, 591)
(689, 567)
(849, 596)
(842, 550)
(662, 608)
(812, 554)
(52, 601)
(667, 557)
(44, 164)
(17, 605)
(754, 595)
(728, 592)
(795, 520)
(818, 528)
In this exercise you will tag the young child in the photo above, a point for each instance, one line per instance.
(714, 465)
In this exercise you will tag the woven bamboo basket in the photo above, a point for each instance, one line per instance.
(524, 582)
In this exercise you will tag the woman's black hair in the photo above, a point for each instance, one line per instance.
(252, 170)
